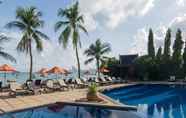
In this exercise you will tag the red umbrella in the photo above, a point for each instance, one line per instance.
(7, 68)
(57, 70)
(104, 70)
(43, 72)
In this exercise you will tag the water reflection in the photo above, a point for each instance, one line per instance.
(154, 101)
(73, 112)
(153, 111)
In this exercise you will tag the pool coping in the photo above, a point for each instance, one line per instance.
(110, 103)
(114, 103)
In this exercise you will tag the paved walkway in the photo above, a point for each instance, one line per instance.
(23, 102)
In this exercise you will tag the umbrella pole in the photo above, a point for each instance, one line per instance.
(5, 83)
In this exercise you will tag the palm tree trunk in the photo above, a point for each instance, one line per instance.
(78, 63)
(97, 61)
(31, 61)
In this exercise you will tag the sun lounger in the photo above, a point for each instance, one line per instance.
(109, 80)
(172, 79)
(62, 84)
(184, 80)
(35, 87)
(79, 83)
(102, 81)
(50, 86)
(84, 80)
(17, 89)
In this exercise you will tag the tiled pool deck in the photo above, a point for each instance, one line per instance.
(24, 102)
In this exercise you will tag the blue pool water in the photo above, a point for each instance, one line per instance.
(70, 112)
(153, 101)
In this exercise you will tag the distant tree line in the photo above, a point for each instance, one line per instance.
(169, 60)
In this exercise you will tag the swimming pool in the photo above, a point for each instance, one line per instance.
(153, 100)
(68, 111)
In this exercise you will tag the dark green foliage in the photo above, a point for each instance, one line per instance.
(162, 66)
(159, 54)
(146, 68)
(184, 60)
(3, 54)
(151, 50)
(177, 53)
(167, 44)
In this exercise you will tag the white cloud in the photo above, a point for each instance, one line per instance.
(180, 3)
(140, 42)
(141, 38)
(178, 22)
(115, 11)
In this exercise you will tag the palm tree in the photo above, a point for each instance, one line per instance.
(72, 22)
(96, 52)
(28, 22)
(5, 54)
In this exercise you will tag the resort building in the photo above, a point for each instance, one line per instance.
(126, 65)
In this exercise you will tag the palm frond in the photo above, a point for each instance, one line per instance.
(38, 41)
(28, 22)
(23, 45)
(89, 61)
(83, 29)
(105, 48)
(16, 24)
(97, 50)
(42, 35)
(80, 19)
(59, 25)
(7, 56)
(4, 38)
(64, 36)
(89, 52)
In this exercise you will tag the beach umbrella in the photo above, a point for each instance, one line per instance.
(6, 68)
(57, 70)
(43, 72)
(104, 70)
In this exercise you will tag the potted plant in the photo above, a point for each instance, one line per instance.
(92, 92)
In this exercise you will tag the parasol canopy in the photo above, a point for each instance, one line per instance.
(57, 70)
(43, 71)
(7, 68)
(104, 70)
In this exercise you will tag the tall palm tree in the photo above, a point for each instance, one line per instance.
(28, 22)
(5, 54)
(96, 52)
(71, 22)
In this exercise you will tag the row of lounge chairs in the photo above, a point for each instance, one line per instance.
(38, 86)
(50, 85)
(106, 80)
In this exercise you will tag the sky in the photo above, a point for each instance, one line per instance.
(122, 23)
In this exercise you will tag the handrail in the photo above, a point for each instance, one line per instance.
(5, 113)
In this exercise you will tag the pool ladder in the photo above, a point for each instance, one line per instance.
(7, 114)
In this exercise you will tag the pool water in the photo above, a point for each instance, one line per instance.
(153, 101)
(67, 111)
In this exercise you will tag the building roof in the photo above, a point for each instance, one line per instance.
(127, 59)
